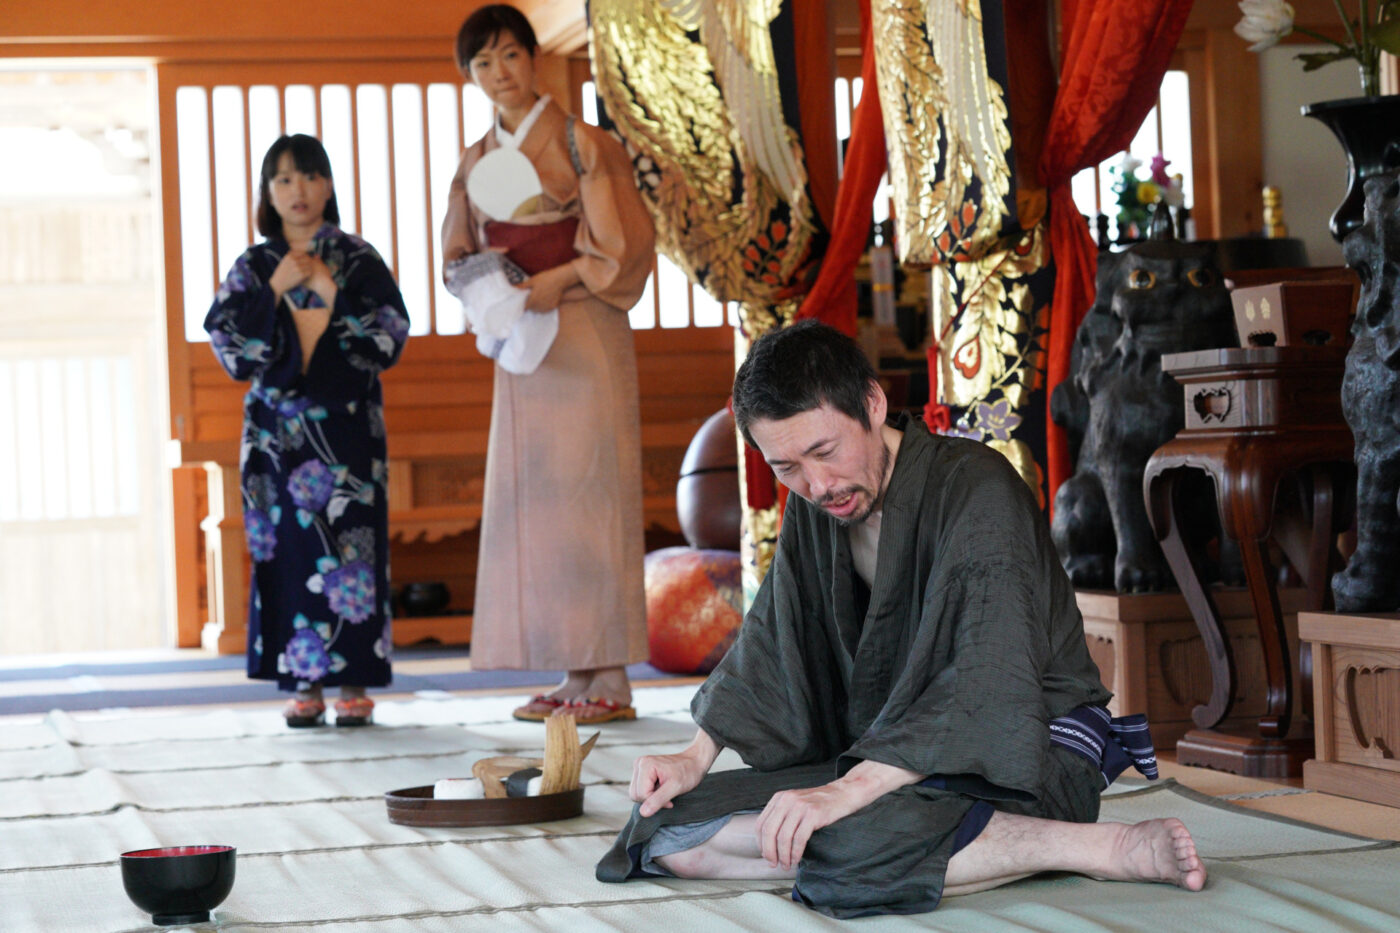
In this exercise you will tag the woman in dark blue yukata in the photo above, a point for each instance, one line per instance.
(311, 316)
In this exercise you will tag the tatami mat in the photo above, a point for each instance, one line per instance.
(316, 850)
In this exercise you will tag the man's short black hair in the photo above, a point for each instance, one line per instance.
(800, 368)
(482, 28)
(310, 158)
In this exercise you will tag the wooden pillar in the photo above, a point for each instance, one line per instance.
(552, 78)
(185, 489)
(226, 631)
(1235, 153)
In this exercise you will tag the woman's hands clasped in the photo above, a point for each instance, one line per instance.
(302, 268)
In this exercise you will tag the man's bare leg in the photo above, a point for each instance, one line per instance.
(1009, 848)
(1012, 847)
(731, 853)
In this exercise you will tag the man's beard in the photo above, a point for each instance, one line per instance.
(857, 518)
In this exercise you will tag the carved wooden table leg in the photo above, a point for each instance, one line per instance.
(1273, 639)
(1164, 511)
(1247, 472)
(1255, 416)
(1322, 559)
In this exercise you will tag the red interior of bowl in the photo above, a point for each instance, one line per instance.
(171, 851)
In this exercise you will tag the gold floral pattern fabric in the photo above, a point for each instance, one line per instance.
(987, 361)
(695, 93)
(942, 68)
(947, 128)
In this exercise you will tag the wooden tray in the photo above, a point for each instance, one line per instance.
(416, 806)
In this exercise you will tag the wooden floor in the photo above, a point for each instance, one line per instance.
(1288, 798)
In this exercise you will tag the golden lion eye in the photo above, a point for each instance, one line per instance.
(1201, 278)
(1141, 280)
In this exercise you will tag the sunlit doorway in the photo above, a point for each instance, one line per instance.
(84, 496)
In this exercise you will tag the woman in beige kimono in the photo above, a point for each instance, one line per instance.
(559, 578)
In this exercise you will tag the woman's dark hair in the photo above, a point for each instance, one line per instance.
(482, 28)
(310, 157)
(800, 368)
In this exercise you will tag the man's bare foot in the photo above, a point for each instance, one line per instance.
(1158, 850)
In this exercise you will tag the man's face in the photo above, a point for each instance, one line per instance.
(828, 459)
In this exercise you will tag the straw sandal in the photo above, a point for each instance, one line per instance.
(354, 711)
(303, 714)
(539, 708)
(588, 711)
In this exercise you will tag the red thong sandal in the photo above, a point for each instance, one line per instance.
(539, 708)
(303, 714)
(354, 711)
(589, 711)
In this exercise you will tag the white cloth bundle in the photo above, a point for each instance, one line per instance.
(458, 789)
(516, 339)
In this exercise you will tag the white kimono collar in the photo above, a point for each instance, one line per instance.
(506, 138)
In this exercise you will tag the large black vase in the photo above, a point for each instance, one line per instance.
(1364, 126)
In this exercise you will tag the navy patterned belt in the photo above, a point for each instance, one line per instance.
(1111, 743)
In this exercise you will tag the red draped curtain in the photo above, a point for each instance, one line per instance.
(833, 295)
(1113, 55)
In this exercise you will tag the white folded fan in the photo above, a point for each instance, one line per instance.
(502, 182)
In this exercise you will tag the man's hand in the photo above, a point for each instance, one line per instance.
(792, 816)
(659, 779)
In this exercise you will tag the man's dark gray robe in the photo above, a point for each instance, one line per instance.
(971, 644)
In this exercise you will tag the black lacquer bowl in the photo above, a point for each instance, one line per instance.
(424, 599)
(178, 885)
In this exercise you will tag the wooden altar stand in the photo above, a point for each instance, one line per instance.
(1356, 682)
(1265, 423)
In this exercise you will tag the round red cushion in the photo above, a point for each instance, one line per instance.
(694, 607)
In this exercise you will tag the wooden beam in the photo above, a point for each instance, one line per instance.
(252, 29)
(560, 25)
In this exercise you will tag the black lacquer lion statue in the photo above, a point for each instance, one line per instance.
(1118, 407)
(1371, 400)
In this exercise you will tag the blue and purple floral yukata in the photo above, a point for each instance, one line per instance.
(314, 463)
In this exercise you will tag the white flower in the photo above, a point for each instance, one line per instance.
(1129, 165)
(1265, 22)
